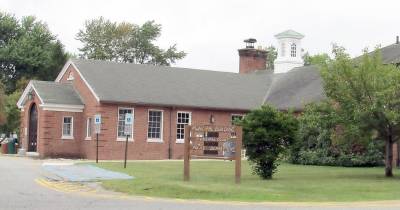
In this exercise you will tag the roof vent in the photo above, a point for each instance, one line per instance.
(397, 39)
(250, 42)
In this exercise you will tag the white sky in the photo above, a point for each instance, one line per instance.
(211, 31)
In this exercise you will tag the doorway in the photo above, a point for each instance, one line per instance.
(32, 138)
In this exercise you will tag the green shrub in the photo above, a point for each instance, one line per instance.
(267, 133)
(323, 139)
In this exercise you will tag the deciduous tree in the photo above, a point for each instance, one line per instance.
(368, 92)
(125, 42)
(28, 49)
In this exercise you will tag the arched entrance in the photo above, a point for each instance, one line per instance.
(32, 138)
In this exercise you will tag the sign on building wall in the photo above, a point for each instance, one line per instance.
(213, 142)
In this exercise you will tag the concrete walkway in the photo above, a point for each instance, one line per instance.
(80, 172)
(22, 186)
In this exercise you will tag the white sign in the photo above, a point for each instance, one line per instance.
(97, 119)
(128, 119)
(97, 123)
(128, 124)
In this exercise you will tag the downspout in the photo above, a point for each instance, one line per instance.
(170, 133)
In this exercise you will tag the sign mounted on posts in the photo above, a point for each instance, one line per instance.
(213, 142)
(128, 124)
(97, 123)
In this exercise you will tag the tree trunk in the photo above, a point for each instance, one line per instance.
(398, 154)
(389, 157)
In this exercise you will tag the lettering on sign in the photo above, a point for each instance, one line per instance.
(215, 141)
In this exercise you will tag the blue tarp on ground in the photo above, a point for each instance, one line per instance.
(83, 173)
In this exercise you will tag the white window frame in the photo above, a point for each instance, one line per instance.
(181, 141)
(232, 115)
(70, 76)
(89, 137)
(293, 50)
(130, 138)
(155, 140)
(71, 136)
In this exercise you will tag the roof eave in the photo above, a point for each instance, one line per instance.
(175, 105)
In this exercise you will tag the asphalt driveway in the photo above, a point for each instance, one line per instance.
(23, 186)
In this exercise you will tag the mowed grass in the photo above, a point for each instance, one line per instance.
(214, 180)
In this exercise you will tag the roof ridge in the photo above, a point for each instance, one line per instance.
(173, 68)
(52, 82)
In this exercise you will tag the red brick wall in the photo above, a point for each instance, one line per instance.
(92, 107)
(50, 143)
(251, 60)
(140, 148)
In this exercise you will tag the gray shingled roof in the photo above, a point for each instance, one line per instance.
(296, 88)
(158, 85)
(57, 93)
(390, 54)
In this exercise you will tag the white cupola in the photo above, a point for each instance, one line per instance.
(289, 51)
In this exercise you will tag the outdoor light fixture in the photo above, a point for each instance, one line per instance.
(212, 119)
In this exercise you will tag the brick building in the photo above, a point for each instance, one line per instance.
(57, 117)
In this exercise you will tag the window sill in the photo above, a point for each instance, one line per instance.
(180, 141)
(124, 139)
(67, 137)
(155, 140)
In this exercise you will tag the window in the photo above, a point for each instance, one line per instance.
(235, 117)
(70, 76)
(283, 49)
(121, 122)
(154, 131)
(293, 50)
(88, 128)
(182, 119)
(67, 129)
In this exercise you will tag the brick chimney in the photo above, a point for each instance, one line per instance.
(251, 59)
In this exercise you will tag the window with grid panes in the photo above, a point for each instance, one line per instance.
(121, 121)
(154, 124)
(183, 118)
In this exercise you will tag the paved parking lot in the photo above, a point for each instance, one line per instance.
(23, 185)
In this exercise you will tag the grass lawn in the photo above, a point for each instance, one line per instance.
(214, 180)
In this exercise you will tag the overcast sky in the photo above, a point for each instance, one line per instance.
(211, 31)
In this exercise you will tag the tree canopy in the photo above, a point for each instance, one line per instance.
(125, 42)
(28, 49)
(271, 56)
(318, 59)
(366, 92)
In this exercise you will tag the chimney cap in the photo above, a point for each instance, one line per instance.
(250, 42)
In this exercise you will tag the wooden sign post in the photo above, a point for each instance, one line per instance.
(212, 142)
